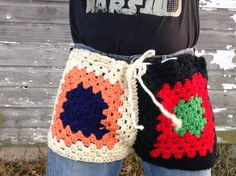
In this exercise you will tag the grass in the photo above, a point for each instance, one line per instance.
(24, 168)
(225, 166)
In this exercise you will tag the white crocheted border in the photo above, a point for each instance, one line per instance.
(115, 71)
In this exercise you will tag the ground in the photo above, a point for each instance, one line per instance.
(225, 166)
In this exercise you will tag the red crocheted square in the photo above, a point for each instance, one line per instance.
(189, 101)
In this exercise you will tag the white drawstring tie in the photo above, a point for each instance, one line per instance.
(137, 70)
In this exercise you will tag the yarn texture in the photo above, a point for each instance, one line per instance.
(181, 87)
(104, 107)
(91, 119)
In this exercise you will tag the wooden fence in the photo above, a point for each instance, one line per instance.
(34, 46)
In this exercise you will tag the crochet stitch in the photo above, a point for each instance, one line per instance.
(95, 114)
(191, 113)
(181, 87)
(99, 105)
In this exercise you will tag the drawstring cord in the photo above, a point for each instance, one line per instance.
(137, 69)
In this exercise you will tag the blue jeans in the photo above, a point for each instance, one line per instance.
(60, 166)
(133, 57)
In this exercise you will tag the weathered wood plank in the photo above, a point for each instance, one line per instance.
(218, 19)
(210, 39)
(34, 12)
(27, 97)
(25, 117)
(218, 4)
(30, 76)
(225, 116)
(221, 80)
(35, 33)
(33, 55)
(23, 136)
(50, 76)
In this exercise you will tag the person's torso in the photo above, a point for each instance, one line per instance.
(129, 27)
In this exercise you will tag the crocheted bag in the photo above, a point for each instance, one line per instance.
(181, 87)
(95, 112)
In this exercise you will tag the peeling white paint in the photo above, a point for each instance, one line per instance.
(38, 138)
(224, 59)
(7, 42)
(229, 86)
(218, 3)
(207, 9)
(8, 16)
(31, 70)
(13, 140)
(27, 101)
(217, 110)
(24, 83)
(47, 92)
(7, 80)
(234, 17)
(35, 121)
(228, 47)
(225, 128)
(14, 113)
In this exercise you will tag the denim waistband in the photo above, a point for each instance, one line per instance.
(132, 58)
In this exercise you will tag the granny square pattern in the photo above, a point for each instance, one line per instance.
(100, 106)
(91, 119)
(181, 87)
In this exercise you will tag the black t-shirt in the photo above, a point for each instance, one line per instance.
(130, 27)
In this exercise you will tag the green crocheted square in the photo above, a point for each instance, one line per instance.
(191, 114)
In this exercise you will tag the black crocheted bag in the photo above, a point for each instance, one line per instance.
(180, 85)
